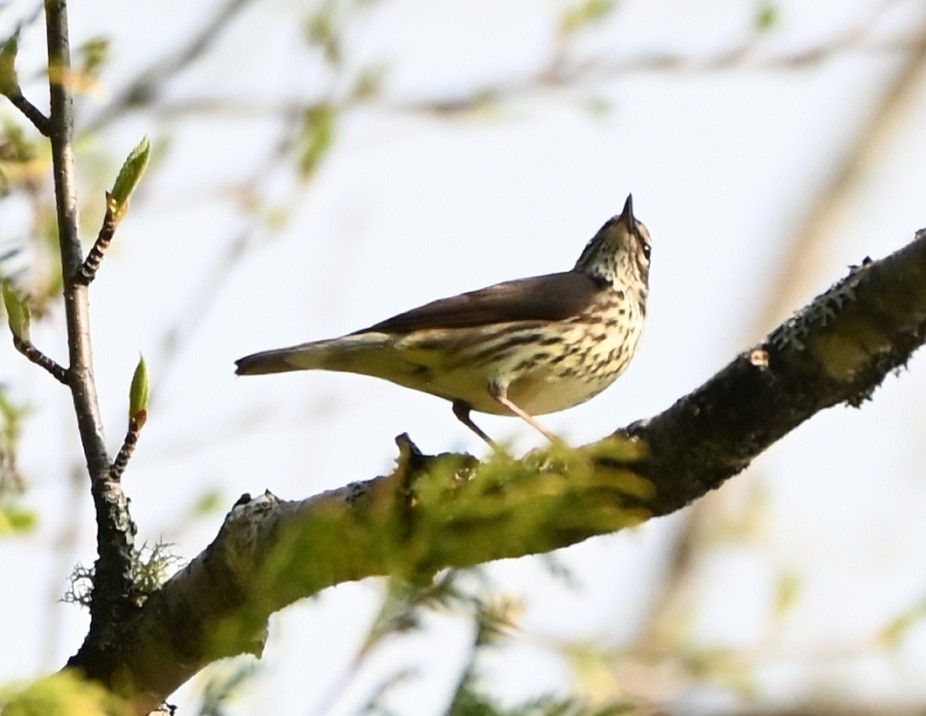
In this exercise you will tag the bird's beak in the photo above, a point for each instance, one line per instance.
(626, 217)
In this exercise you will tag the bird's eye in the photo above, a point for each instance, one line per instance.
(646, 249)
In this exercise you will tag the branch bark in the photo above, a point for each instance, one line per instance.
(449, 510)
(112, 601)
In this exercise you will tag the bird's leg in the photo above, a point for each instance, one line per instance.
(500, 393)
(462, 409)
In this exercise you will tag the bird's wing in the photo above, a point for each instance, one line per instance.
(541, 298)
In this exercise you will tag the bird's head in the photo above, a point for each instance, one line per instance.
(619, 253)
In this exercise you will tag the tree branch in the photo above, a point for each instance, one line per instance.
(449, 510)
(88, 268)
(147, 84)
(31, 112)
(111, 601)
(28, 349)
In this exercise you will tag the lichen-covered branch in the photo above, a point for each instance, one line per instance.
(450, 510)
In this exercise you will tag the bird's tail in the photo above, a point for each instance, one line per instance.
(350, 353)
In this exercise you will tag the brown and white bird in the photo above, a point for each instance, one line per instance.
(525, 347)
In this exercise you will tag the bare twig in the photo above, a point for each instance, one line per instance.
(31, 112)
(818, 227)
(125, 452)
(145, 86)
(209, 285)
(58, 372)
(561, 73)
(87, 271)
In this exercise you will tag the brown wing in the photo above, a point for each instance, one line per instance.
(541, 298)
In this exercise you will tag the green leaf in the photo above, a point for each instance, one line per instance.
(128, 178)
(16, 519)
(766, 16)
(584, 13)
(19, 154)
(321, 32)
(317, 136)
(92, 55)
(9, 81)
(368, 83)
(208, 503)
(223, 683)
(138, 394)
(17, 312)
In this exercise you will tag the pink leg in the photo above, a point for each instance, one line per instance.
(500, 393)
(462, 409)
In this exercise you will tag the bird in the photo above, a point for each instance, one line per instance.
(525, 347)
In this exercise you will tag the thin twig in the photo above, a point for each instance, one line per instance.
(125, 452)
(818, 227)
(561, 73)
(31, 112)
(58, 372)
(87, 271)
(147, 83)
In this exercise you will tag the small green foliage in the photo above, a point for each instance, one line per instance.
(584, 13)
(495, 619)
(787, 592)
(16, 520)
(316, 137)
(471, 699)
(368, 83)
(62, 694)
(128, 178)
(468, 700)
(902, 624)
(766, 16)
(11, 416)
(598, 107)
(223, 681)
(9, 81)
(91, 56)
(404, 602)
(19, 157)
(618, 448)
(17, 312)
(377, 703)
(321, 32)
(208, 503)
(138, 394)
